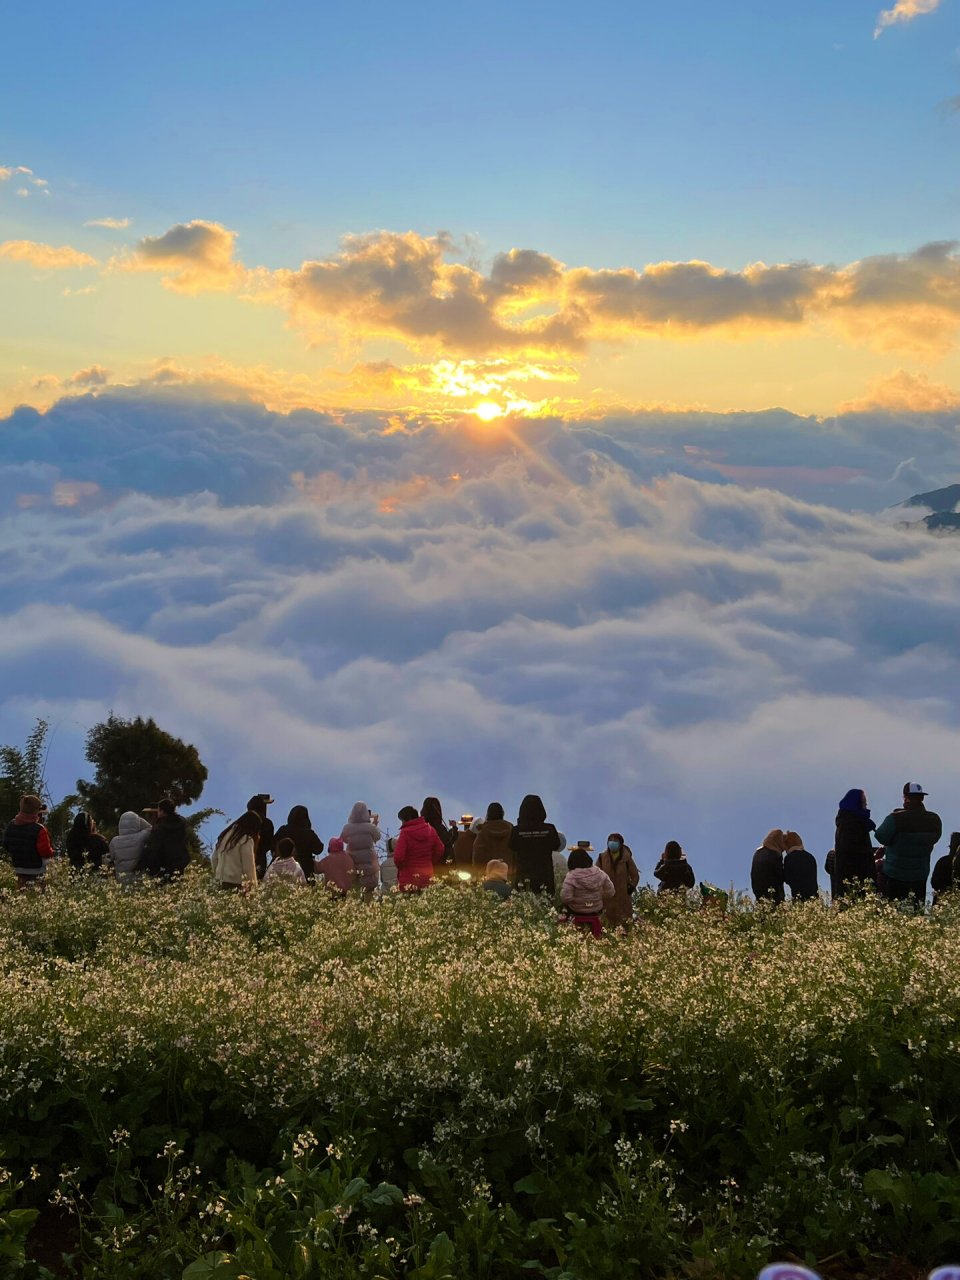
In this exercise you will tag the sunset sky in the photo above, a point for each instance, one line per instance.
(417, 374)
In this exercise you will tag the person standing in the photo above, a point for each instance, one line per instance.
(766, 871)
(27, 843)
(360, 835)
(234, 861)
(85, 846)
(908, 836)
(166, 850)
(417, 851)
(946, 873)
(799, 869)
(258, 804)
(432, 811)
(854, 867)
(493, 839)
(127, 846)
(616, 861)
(306, 842)
(533, 841)
(673, 870)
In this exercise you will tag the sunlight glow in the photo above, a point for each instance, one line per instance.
(487, 411)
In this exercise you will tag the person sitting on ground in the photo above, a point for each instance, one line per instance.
(586, 890)
(908, 836)
(533, 841)
(418, 850)
(258, 804)
(337, 869)
(497, 879)
(166, 850)
(234, 861)
(388, 868)
(126, 847)
(27, 844)
(617, 861)
(766, 871)
(286, 865)
(673, 870)
(493, 839)
(854, 867)
(86, 848)
(360, 835)
(799, 869)
(307, 844)
(946, 872)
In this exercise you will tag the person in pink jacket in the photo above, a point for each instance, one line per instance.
(585, 889)
(418, 848)
(337, 868)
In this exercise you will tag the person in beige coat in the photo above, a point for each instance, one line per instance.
(617, 861)
(234, 861)
(493, 840)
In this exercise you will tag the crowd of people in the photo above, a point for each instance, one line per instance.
(892, 859)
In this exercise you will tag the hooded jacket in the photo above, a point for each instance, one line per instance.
(166, 851)
(288, 870)
(337, 868)
(766, 871)
(127, 845)
(908, 836)
(674, 874)
(585, 890)
(622, 870)
(853, 860)
(533, 841)
(417, 849)
(235, 864)
(493, 841)
(307, 844)
(28, 846)
(86, 849)
(800, 874)
(360, 835)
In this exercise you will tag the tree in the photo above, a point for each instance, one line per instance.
(137, 764)
(23, 775)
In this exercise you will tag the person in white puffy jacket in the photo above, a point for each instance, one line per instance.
(360, 835)
(127, 845)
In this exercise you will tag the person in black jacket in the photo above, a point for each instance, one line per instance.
(307, 844)
(766, 870)
(946, 870)
(166, 851)
(432, 812)
(534, 841)
(854, 858)
(258, 804)
(799, 869)
(86, 848)
(673, 870)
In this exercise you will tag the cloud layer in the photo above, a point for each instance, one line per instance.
(343, 606)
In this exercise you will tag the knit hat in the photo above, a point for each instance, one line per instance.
(335, 845)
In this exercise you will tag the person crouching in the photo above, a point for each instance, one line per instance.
(584, 891)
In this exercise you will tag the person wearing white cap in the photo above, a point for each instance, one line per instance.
(908, 836)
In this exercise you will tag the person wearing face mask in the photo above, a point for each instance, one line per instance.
(617, 861)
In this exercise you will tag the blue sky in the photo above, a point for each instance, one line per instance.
(601, 134)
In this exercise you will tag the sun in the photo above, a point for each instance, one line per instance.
(487, 410)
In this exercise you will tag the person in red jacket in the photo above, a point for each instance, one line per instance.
(417, 850)
(27, 843)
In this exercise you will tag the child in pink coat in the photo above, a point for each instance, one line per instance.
(585, 889)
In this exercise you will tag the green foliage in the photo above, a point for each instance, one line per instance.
(137, 763)
(289, 1085)
(23, 774)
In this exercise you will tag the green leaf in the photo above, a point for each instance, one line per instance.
(222, 1265)
(534, 1184)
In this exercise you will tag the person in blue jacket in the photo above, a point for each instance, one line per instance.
(908, 836)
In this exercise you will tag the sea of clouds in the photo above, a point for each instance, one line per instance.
(674, 625)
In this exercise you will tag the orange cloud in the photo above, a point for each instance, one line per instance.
(191, 256)
(904, 392)
(904, 11)
(48, 256)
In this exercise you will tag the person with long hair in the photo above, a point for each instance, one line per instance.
(432, 812)
(234, 862)
(86, 847)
